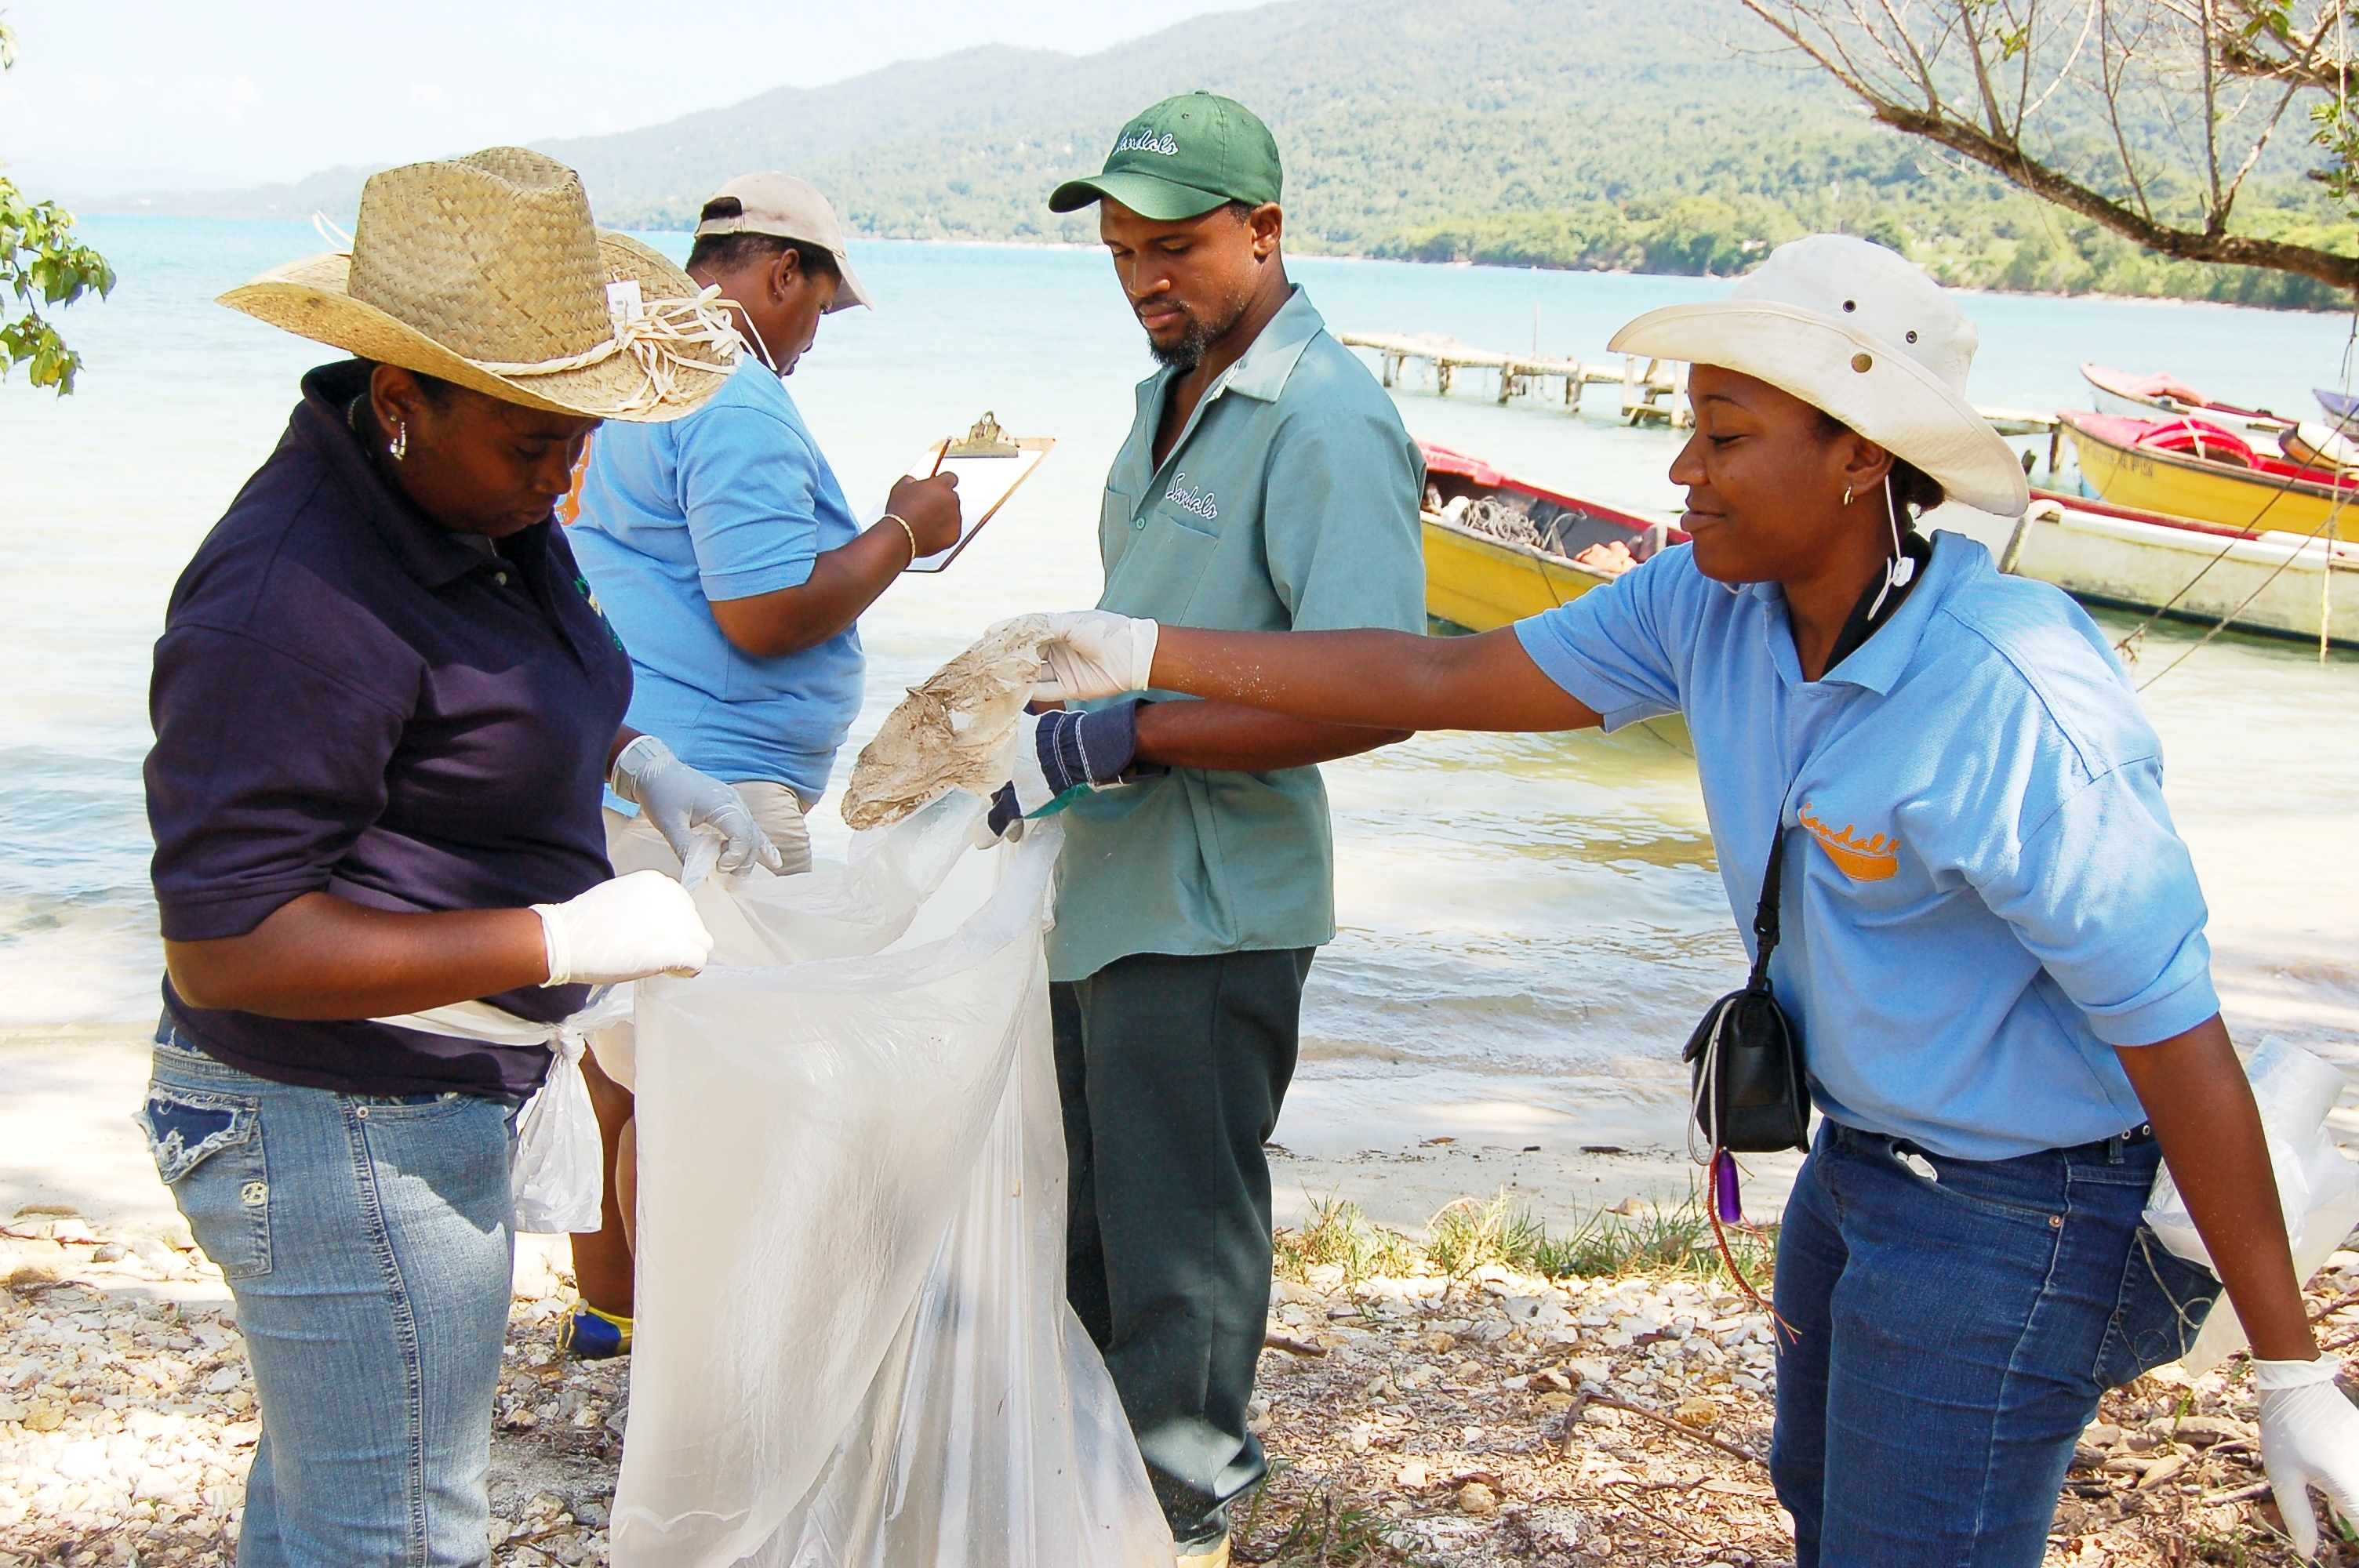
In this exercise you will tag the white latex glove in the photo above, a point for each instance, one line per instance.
(645, 924)
(1095, 653)
(678, 800)
(2309, 1437)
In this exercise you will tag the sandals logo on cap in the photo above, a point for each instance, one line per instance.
(1147, 142)
(1871, 859)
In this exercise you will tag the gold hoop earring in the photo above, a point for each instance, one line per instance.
(400, 448)
(1846, 495)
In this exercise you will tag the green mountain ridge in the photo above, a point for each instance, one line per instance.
(1546, 133)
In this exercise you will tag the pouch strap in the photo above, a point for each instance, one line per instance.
(1765, 917)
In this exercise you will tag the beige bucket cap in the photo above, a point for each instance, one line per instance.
(786, 207)
(1862, 333)
(487, 270)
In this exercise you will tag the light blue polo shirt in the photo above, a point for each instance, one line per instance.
(732, 502)
(1984, 895)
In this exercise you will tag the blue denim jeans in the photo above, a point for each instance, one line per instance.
(1949, 1339)
(367, 1240)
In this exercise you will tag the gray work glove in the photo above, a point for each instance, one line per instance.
(680, 800)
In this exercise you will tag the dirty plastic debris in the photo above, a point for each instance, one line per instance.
(2319, 1188)
(956, 731)
(851, 1346)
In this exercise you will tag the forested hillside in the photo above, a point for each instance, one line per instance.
(1549, 132)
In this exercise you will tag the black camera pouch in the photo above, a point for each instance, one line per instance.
(1744, 1058)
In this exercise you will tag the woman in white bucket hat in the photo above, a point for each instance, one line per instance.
(386, 704)
(1992, 939)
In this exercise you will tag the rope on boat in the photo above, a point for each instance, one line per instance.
(2122, 645)
(2292, 555)
(2326, 583)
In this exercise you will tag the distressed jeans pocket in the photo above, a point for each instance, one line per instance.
(208, 1148)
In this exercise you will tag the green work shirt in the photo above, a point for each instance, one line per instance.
(1288, 503)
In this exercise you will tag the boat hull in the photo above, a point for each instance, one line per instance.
(1481, 583)
(2210, 492)
(2274, 581)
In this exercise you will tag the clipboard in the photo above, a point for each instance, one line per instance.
(990, 464)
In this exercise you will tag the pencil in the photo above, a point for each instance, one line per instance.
(940, 453)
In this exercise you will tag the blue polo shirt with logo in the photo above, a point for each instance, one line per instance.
(1983, 892)
(732, 501)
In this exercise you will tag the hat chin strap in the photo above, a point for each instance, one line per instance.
(754, 336)
(1901, 570)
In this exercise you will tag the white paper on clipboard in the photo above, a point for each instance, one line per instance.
(984, 483)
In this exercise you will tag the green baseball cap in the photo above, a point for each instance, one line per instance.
(1185, 156)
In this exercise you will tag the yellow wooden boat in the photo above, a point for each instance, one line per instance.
(2189, 468)
(1499, 549)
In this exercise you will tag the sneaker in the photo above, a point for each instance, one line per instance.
(589, 1335)
(1205, 1554)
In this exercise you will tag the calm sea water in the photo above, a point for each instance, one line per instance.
(1531, 923)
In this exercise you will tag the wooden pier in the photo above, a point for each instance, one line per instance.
(1652, 390)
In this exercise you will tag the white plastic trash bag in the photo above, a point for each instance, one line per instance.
(2318, 1187)
(851, 1343)
(558, 1175)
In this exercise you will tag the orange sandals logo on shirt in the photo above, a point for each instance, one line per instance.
(1869, 860)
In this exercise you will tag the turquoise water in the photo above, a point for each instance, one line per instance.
(1530, 922)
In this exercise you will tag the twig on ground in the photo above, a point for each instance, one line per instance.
(1662, 1519)
(2337, 1304)
(2235, 1495)
(1292, 1347)
(1573, 1422)
(1614, 1402)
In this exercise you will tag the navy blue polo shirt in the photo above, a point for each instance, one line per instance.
(348, 699)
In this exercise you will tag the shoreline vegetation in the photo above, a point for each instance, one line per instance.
(2012, 245)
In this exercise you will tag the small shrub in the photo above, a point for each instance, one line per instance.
(1469, 1233)
(1663, 1240)
(1340, 1234)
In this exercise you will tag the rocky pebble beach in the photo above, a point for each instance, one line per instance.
(1489, 1417)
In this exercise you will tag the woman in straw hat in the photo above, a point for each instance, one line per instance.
(1994, 940)
(384, 707)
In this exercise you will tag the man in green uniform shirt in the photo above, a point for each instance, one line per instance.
(1267, 485)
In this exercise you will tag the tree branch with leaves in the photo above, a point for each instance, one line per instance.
(42, 266)
(2137, 114)
(2271, 40)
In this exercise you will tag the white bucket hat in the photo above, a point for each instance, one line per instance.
(1863, 334)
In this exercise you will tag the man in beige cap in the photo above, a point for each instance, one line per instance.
(725, 557)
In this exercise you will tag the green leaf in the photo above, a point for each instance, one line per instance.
(42, 264)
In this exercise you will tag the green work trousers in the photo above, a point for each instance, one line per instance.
(1172, 1070)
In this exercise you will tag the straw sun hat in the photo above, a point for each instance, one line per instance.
(487, 270)
(1861, 333)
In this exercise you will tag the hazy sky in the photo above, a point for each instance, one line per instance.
(121, 93)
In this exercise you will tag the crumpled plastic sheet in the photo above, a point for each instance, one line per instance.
(852, 1344)
(955, 731)
(2318, 1188)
